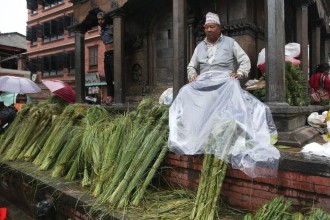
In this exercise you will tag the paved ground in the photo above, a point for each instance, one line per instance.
(14, 213)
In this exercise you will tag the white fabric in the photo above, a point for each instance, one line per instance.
(213, 115)
(166, 97)
(212, 18)
(317, 149)
(291, 50)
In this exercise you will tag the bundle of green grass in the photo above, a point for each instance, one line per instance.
(116, 156)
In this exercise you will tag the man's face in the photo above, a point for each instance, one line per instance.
(212, 32)
(101, 21)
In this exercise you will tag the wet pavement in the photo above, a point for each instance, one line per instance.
(14, 213)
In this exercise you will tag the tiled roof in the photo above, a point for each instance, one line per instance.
(13, 39)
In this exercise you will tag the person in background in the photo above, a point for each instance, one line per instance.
(320, 78)
(106, 34)
(21, 100)
(7, 115)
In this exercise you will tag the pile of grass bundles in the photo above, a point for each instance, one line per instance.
(37, 141)
(164, 204)
(317, 213)
(30, 130)
(114, 134)
(93, 141)
(7, 138)
(59, 135)
(277, 209)
(131, 166)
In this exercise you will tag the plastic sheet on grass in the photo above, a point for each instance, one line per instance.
(213, 115)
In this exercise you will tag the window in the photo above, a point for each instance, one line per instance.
(68, 21)
(53, 30)
(45, 66)
(32, 65)
(51, 3)
(93, 57)
(31, 35)
(34, 35)
(52, 65)
(32, 5)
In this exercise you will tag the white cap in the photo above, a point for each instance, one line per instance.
(212, 18)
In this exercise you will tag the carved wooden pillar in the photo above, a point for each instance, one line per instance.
(80, 66)
(191, 39)
(302, 36)
(315, 50)
(118, 52)
(146, 69)
(327, 49)
(179, 44)
(275, 40)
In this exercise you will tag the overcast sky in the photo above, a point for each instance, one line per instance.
(13, 16)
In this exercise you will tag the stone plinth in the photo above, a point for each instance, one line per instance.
(291, 124)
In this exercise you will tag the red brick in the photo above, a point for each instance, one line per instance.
(242, 190)
(177, 163)
(237, 174)
(263, 194)
(173, 156)
(198, 159)
(322, 190)
(289, 175)
(323, 181)
(310, 187)
(259, 202)
(196, 167)
(241, 204)
(324, 200)
(236, 196)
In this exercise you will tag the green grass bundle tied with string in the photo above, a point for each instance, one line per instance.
(141, 164)
(115, 132)
(44, 125)
(208, 193)
(276, 209)
(93, 141)
(64, 160)
(7, 138)
(70, 118)
(164, 204)
(25, 132)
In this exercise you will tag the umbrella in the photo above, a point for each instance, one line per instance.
(9, 98)
(61, 89)
(18, 85)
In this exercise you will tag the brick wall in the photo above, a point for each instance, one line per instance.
(241, 191)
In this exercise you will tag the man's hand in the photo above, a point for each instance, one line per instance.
(193, 78)
(235, 75)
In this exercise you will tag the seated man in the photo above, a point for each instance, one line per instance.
(214, 115)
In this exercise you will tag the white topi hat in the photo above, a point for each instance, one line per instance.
(212, 18)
